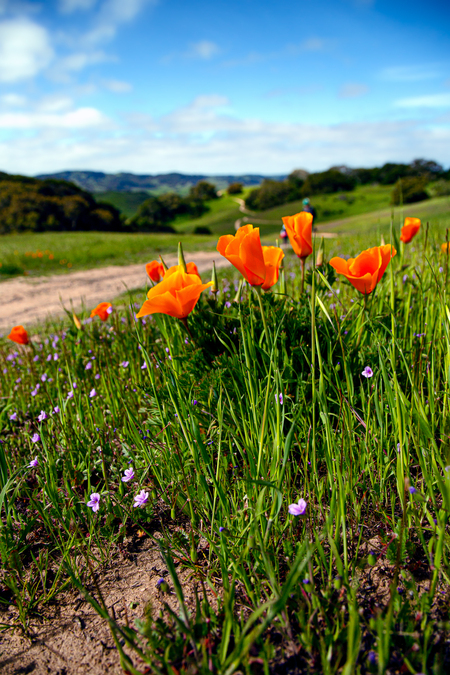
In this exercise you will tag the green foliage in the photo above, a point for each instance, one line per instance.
(203, 191)
(409, 191)
(155, 213)
(262, 403)
(235, 188)
(31, 205)
(202, 229)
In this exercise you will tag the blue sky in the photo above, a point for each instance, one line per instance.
(151, 86)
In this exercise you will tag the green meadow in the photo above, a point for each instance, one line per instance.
(286, 455)
(365, 210)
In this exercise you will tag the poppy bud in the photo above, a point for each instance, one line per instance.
(181, 260)
(215, 283)
(76, 321)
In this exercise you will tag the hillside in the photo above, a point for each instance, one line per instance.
(97, 181)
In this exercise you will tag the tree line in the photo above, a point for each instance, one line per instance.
(33, 205)
(410, 181)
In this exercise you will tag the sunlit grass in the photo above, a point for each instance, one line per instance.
(224, 429)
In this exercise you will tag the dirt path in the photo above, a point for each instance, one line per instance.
(26, 300)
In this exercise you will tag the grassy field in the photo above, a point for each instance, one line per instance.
(365, 210)
(58, 252)
(126, 202)
(289, 458)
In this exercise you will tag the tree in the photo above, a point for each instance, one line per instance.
(235, 188)
(203, 191)
(409, 190)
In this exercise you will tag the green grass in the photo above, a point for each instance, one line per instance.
(127, 202)
(264, 403)
(84, 250)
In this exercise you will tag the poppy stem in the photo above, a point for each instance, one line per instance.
(184, 321)
(302, 282)
(258, 293)
(362, 321)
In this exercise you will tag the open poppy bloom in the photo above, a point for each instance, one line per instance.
(244, 251)
(299, 231)
(103, 310)
(409, 229)
(445, 247)
(273, 255)
(155, 270)
(176, 295)
(365, 271)
(19, 335)
(192, 268)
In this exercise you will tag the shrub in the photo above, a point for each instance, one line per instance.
(235, 188)
(409, 190)
(202, 229)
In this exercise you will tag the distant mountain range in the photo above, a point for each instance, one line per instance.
(97, 181)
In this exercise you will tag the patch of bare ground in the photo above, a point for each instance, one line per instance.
(31, 299)
(71, 638)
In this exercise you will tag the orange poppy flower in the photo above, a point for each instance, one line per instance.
(273, 255)
(365, 271)
(155, 270)
(410, 229)
(19, 335)
(176, 295)
(103, 310)
(244, 251)
(445, 247)
(299, 231)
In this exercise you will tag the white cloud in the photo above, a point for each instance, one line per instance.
(66, 66)
(118, 86)
(13, 100)
(112, 14)
(25, 50)
(68, 6)
(410, 73)
(352, 90)
(81, 118)
(202, 138)
(430, 101)
(54, 104)
(205, 49)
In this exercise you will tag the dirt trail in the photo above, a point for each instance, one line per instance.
(26, 300)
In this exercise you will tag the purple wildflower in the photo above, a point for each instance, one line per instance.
(33, 464)
(56, 409)
(144, 366)
(92, 393)
(13, 417)
(55, 357)
(298, 509)
(97, 376)
(128, 474)
(44, 377)
(194, 402)
(367, 372)
(35, 438)
(43, 416)
(94, 502)
(141, 499)
(109, 310)
(412, 490)
(70, 394)
(88, 365)
(125, 364)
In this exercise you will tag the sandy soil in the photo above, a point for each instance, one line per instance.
(72, 639)
(26, 300)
